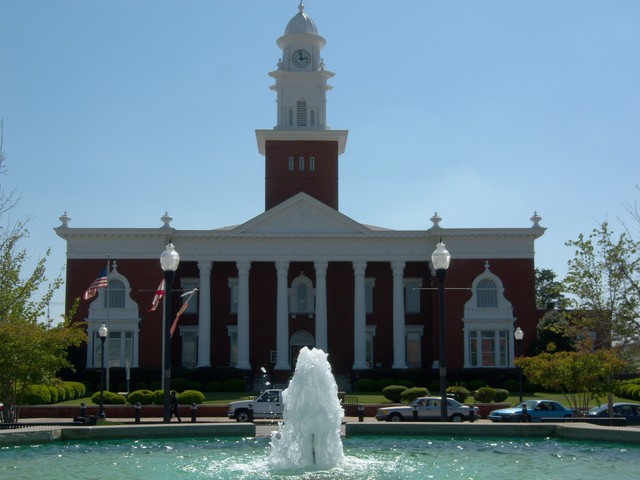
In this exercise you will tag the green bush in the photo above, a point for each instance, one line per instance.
(484, 394)
(54, 393)
(194, 385)
(434, 386)
(630, 391)
(500, 395)
(512, 385)
(410, 394)
(144, 397)
(37, 395)
(191, 396)
(459, 393)
(77, 389)
(406, 383)
(214, 387)
(234, 385)
(473, 385)
(393, 392)
(109, 398)
(383, 383)
(158, 397)
(179, 384)
(366, 385)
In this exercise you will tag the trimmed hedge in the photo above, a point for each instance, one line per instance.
(459, 393)
(500, 395)
(109, 398)
(410, 394)
(191, 396)
(393, 392)
(484, 394)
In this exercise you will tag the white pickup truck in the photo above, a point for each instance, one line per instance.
(268, 404)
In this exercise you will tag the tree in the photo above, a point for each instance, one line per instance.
(580, 376)
(604, 283)
(554, 333)
(31, 350)
(548, 289)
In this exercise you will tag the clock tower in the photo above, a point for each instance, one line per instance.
(301, 152)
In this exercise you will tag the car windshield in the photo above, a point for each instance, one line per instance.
(530, 404)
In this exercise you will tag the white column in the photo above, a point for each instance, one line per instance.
(359, 318)
(243, 315)
(399, 335)
(204, 315)
(282, 317)
(321, 305)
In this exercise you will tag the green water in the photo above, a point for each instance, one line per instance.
(366, 458)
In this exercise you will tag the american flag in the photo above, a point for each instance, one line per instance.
(158, 296)
(101, 282)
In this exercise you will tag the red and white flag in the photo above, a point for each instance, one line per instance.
(185, 304)
(158, 296)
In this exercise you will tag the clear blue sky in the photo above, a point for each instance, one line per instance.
(484, 111)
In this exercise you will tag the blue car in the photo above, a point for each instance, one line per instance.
(534, 412)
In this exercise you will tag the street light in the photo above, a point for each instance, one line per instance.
(519, 335)
(440, 259)
(169, 261)
(103, 332)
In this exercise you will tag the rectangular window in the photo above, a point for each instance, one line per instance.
(412, 295)
(189, 349)
(312, 164)
(312, 117)
(369, 283)
(233, 295)
(488, 348)
(189, 284)
(290, 117)
(301, 164)
(291, 164)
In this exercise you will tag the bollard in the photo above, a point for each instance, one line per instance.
(524, 413)
(472, 414)
(194, 411)
(83, 409)
(415, 413)
(137, 412)
(250, 412)
(360, 413)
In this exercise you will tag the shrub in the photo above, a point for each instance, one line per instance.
(144, 397)
(500, 395)
(393, 392)
(383, 383)
(194, 385)
(79, 390)
(410, 394)
(191, 396)
(37, 395)
(214, 387)
(484, 394)
(109, 398)
(366, 385)
(512, 385)
(406, 383)
(234, 385)
(158, 397)
(54, 393)
(459, 393)
(473, 385)
(179, 384)
(434, 386)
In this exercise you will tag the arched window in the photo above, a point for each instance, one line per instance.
(487, 293)
(115, 295)
(302, 295)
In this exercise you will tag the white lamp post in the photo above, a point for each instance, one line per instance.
(519, 335)
(103, 333)
(440, 260)
(169, 261)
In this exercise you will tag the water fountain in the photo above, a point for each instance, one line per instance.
(309, 436)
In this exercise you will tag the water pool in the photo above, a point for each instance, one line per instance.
(365, 458)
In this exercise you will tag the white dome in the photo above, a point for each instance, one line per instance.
(301, 23)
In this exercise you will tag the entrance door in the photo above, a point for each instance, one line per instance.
(299, 339)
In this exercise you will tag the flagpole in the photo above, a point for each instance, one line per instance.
(108, 318)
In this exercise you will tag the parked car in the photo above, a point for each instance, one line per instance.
(268, 404)
(630, 411)
(428, 408)
(535, 411)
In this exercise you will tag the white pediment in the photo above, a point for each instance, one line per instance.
(302, 214)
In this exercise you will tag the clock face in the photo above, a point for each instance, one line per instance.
(301, 58)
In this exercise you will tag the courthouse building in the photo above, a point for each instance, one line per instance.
(302, 273)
